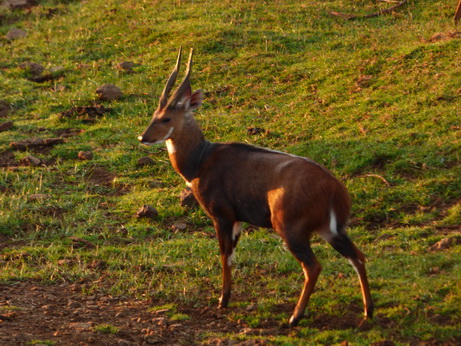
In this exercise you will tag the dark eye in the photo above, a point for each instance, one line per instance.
(166, 120)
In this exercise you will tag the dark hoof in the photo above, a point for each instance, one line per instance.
(223, 304)
(294, 321)
(369, 313)
(365, 324)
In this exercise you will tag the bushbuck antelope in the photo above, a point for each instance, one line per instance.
(236, 183)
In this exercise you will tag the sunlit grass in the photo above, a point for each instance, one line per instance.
(377, 101)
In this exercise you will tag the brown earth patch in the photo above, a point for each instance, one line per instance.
(86, 114)
(100, 176)
(68, 132)
(36, 143)
(444, 36)
(5, 108)
(7, 159)
(61, 314)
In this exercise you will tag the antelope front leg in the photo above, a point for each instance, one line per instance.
(228, 237)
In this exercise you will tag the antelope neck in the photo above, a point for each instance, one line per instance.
(188, 149)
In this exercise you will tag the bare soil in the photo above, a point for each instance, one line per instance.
(31, 312)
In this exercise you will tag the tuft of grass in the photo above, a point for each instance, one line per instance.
(179, 317)
(41, 342)
(106, 329)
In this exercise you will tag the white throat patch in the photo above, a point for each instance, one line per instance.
(170, 146)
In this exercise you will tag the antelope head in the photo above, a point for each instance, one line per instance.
(169, 118)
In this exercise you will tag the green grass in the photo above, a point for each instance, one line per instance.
(375, 100)
(105, 329)
(41, 342)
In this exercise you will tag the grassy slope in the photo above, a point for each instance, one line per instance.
(367, 98)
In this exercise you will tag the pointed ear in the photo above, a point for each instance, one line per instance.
(194, 101)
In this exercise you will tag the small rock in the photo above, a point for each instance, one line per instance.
(68, 132)
(247, 331)
(97, 264)
(255, 130)
(56, 69)
(32, 160)
(187, 198)
(221, 342)
(122, 231)
(8, 316)
(99, 175)
(39, 196)
(109, 92)
(127, 66)
(22, 338)
(5, 108)
(32, 67)
(250, 307)
(442, 244)
(35, 142)
(146, 161)
(20, 4)
(147, 211)
(74, 305)
(152, 340)
(122, 342)
(42, 78)
(6, 126)
(80, 325)
(15, 34)
(85, 155)
(383, 343)
(179, 226)
(80, 242)
(86, 113)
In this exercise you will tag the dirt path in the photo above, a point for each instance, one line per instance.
(61, 314)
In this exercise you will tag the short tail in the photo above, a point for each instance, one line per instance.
(340, 210)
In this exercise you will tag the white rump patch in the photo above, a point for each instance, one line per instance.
(333, 223)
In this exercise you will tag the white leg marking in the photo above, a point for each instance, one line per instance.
(333, 223)
(231, 258)
(353, 265)
(236, 229)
